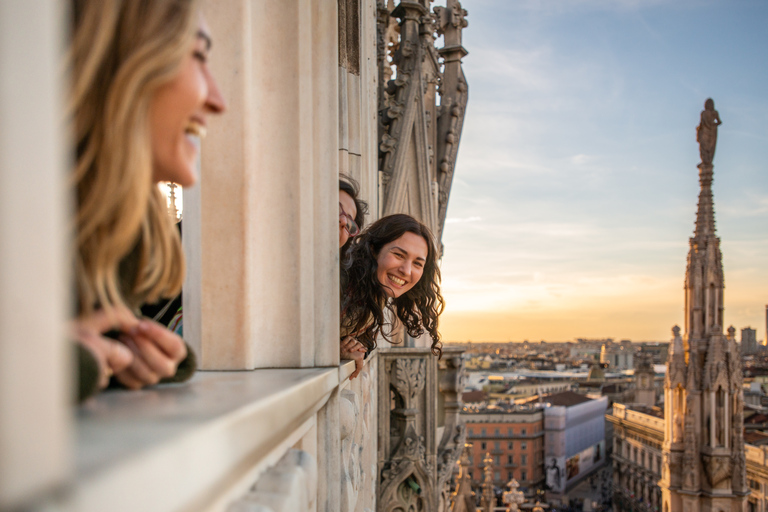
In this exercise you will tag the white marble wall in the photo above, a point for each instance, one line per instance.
(34, 360)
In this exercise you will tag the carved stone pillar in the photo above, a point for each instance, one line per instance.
(407, 422)
(451, 386)
(463, 499)
(488, 500)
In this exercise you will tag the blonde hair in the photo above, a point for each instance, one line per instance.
(121, 52)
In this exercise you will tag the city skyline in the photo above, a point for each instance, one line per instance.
(576, 184)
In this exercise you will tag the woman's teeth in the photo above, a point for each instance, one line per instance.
(196, 129)
(397, 280)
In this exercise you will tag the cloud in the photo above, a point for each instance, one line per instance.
(457, 220)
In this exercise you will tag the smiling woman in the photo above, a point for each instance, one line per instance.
(392, 266)
(141, 88)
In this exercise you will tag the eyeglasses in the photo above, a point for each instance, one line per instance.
(352, 228)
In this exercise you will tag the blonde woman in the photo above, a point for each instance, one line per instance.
(141, 92)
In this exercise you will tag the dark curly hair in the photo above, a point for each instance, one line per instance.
(365, 299)
(352, 188)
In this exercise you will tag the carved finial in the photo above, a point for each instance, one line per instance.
(513, 498)
(488, 499)
(675, 331)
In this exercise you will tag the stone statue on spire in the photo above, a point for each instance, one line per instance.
(706, 132)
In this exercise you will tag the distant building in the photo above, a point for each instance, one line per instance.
(748, 341)
(574, 442)
(514, 437)
(645, 391)
(618, 356)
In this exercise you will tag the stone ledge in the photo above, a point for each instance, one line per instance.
(176, 447)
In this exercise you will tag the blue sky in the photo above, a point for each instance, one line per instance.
(576, 185)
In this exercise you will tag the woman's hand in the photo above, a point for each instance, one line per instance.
(111, 356)
(157, 353)
(351, 349)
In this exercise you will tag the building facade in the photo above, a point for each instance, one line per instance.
(574, 442)
(618, 356)
(638, 435)
(513, 436)
(748, 341)
(645, 388)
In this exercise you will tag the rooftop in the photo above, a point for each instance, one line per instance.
(502, 408)
(566, 398)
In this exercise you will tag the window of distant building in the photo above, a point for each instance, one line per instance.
(482, 432)
(482, 446)
(523, 460)
(510, 432)
(497, 475)
(496, 432)
(470, 460)
(509, 475)
(523, 475)
(510, 445)
(470, 431)
(522, 432)
(496, 445)
(523, 445)
(509, 459)
(497, 460)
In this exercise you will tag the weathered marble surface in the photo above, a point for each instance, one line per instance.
(181, 444)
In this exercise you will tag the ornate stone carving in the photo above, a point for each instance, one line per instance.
(488, 499)
(717, 468)
(463, 498)
(407, 449)
(410, 375)
(411, 142)
(712, 421)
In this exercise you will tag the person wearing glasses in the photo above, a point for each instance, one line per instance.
(392, 265)
(352, 210)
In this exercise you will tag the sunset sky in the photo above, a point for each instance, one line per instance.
(576, 185)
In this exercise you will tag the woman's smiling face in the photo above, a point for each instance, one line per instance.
(178, 114)
(400, 263)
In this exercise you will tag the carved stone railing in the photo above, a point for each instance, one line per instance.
(414, 466)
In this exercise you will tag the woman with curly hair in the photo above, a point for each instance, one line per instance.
(392, 267)
(140, 95)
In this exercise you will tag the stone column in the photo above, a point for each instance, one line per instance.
(266, 278)
(36, 389)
